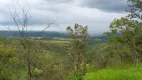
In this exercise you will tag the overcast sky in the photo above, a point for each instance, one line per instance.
(97, 14)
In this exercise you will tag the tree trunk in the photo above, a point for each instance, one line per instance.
(136, 58)
(29, 70)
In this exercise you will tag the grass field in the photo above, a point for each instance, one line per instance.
(132, 73)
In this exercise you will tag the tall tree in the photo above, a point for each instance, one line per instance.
(135, 9)
(30, 47)
(126, 31)
(79, 35)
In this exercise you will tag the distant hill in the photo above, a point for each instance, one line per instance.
(45, 34)
(35, 33)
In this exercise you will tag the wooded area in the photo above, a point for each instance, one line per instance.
(74, 55)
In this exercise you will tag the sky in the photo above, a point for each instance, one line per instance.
(97, 14)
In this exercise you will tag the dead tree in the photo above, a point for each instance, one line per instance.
(21, 20)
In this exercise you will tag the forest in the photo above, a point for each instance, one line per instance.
(73, 55)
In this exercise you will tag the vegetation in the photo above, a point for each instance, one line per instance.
(79, 35)
(74, 55)
(129, 73)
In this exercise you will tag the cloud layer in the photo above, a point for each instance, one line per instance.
(97, 14)
(107, 5)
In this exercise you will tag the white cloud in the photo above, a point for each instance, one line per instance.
(67, 13)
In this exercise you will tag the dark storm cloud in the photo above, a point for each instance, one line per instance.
(107, 5)
(59, 1)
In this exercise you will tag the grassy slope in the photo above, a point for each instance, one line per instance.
(133, 73)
